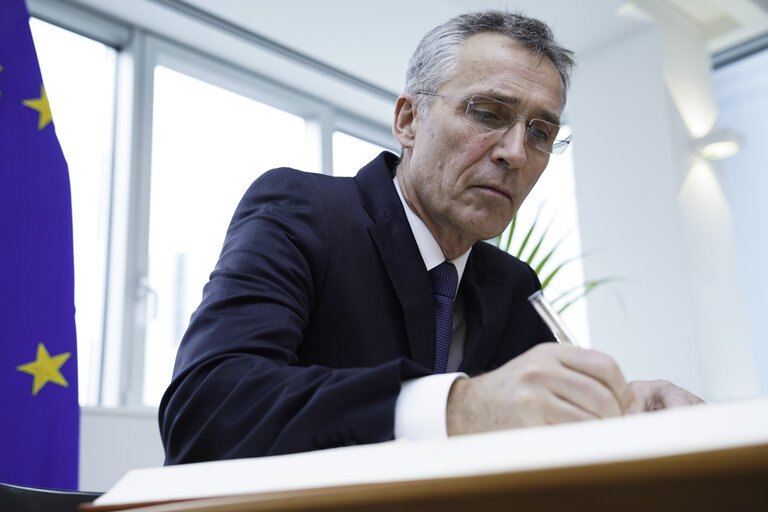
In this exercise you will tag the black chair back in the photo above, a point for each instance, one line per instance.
(19, 498)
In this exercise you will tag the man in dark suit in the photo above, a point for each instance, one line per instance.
(320, 326)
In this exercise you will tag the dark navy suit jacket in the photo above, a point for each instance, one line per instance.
(317, 310)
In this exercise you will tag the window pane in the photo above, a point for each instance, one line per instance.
(351, 153)
(208, 145)
(79, 78)
(742, 97)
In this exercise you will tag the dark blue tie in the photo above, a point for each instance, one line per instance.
(445, 279)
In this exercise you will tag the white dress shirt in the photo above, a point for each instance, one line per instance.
(421, 404)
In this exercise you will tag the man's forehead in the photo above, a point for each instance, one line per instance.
(500, 67)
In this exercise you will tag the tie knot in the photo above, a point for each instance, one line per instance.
(445, 279)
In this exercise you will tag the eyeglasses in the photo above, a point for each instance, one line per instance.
(497, 116)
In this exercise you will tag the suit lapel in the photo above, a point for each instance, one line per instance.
(485, 304)
(392, 235)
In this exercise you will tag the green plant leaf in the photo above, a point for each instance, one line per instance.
(536, 248)
(580, 292)
(547, 257)
(504, 242)
(511, 232)
(528, 235)
(545, 282)
(525, 240)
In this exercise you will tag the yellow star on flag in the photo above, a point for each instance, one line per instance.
(41, 105)
(45, 369)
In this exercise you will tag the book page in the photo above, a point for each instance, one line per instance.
(641, 436)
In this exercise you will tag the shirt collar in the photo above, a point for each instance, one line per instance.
(430, 250)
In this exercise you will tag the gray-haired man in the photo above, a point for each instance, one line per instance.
(320, 327)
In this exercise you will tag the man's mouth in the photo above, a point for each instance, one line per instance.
(496, 190)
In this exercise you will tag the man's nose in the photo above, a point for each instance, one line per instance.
(510, 148)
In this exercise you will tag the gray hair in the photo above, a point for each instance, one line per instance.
(436, 58)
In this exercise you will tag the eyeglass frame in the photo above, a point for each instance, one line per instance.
(558, 145)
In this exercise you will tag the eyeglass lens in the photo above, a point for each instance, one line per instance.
(497, 116)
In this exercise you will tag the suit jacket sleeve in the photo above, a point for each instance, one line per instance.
(241, 386)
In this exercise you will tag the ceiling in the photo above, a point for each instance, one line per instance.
(374, 40)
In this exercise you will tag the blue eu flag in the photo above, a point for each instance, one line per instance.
(39, 415)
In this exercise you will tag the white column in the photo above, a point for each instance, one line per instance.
(648, 216)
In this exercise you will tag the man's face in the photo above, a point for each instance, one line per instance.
(464, 182)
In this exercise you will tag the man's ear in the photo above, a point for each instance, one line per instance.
(406, 120)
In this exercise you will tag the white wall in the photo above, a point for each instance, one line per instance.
(646, 213)
(626, 182)
(113, 441)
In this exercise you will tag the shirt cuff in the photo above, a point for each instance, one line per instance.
(421, 404)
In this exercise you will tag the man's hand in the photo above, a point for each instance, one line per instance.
(661, 394)
(550, 383)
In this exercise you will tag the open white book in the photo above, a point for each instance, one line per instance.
(658, 434)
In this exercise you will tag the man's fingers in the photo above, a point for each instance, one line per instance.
(586, 393)
(588, 380)
(562, 410)
(602, 368)
(548, 384)
(661, 394)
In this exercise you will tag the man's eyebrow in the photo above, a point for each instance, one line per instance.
(547, 116)
(513, 101)
(509, 100)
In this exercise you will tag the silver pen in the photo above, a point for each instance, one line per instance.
(551, 318)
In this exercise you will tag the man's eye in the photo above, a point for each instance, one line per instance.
(483, 114)
(542, 131)
(486, 115)
(539, 134)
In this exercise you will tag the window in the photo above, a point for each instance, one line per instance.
(741, 89)
(208, 145)
(350, 153)
(81, 95)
